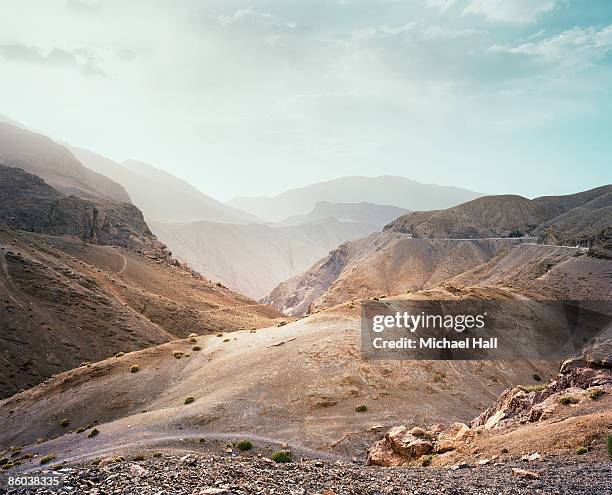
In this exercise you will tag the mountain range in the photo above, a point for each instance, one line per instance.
(383, 190)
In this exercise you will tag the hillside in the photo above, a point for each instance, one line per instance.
(39, 155)
(574, 218)
(252, 259)
(384, 190)
(366, 213)
(161, 196)
(392, 263)
(81, 281)
(303, 392)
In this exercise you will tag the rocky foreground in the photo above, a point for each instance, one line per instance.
(206, 475)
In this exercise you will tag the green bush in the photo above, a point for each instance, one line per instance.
(119, 354)
(64, 422)
(80, 429)
(47, 458)
(595, 393)
(196, 348)
(361, 408)
(178, 354)
(93, 433)
(134, 368)
(244, 445)
(189, 400)
(426, 460)
(281, 456)
(581, 450)
(157, 454)
(568, 399)
(192, 340)
(534, 388)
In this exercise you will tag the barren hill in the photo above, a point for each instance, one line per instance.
(254, 258)
(161, 196)
(53, 162)
(82, 280)
(299, 384)
(575, 218)
(384, 190)
(393, 263)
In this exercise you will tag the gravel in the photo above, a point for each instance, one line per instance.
(195, 474)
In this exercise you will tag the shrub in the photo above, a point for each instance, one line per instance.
(281, 456)
(219, 334)
(139, 457)
(568, 399)
(581, 450)
(64, 422)
(178, 354)
(226, 340)
(119, 354)
(536, 377)
(134, 368)
(80, 430)
(281, 323)
(47, 458)
(361, 408)
(93, 433)
(534, 388)
(157, 454)
(595, 393)
(196, 348)
(192, 340)
(189, 400)
(244, 445)
(426, 460)
(4, 460)
(193, 335)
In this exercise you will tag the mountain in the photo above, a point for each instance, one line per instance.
(162, 196)
(54, 163)
(367, 213)
(81, 280)
(384, 190)
(252, 259)
(574, 218)
(478, 242)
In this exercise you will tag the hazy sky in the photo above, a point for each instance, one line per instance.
(254, 97)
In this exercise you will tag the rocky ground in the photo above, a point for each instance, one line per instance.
(213, 474)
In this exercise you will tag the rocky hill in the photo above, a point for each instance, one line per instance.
(28, 203)
(81, 280)
(575, 218)
(384, 190)
(39, 155)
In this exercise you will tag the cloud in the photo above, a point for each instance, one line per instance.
(511, 11)
(81, 59)
(81, 7)
(577, 47)
(441, 5)
(252, 17)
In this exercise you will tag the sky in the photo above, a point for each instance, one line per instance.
(250, 98)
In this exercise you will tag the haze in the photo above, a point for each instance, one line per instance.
(253, 98)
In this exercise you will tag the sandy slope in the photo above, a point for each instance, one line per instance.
(65, 301)
(303, 391)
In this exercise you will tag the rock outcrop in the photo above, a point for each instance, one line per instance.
(581, 379)
(28, 203)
